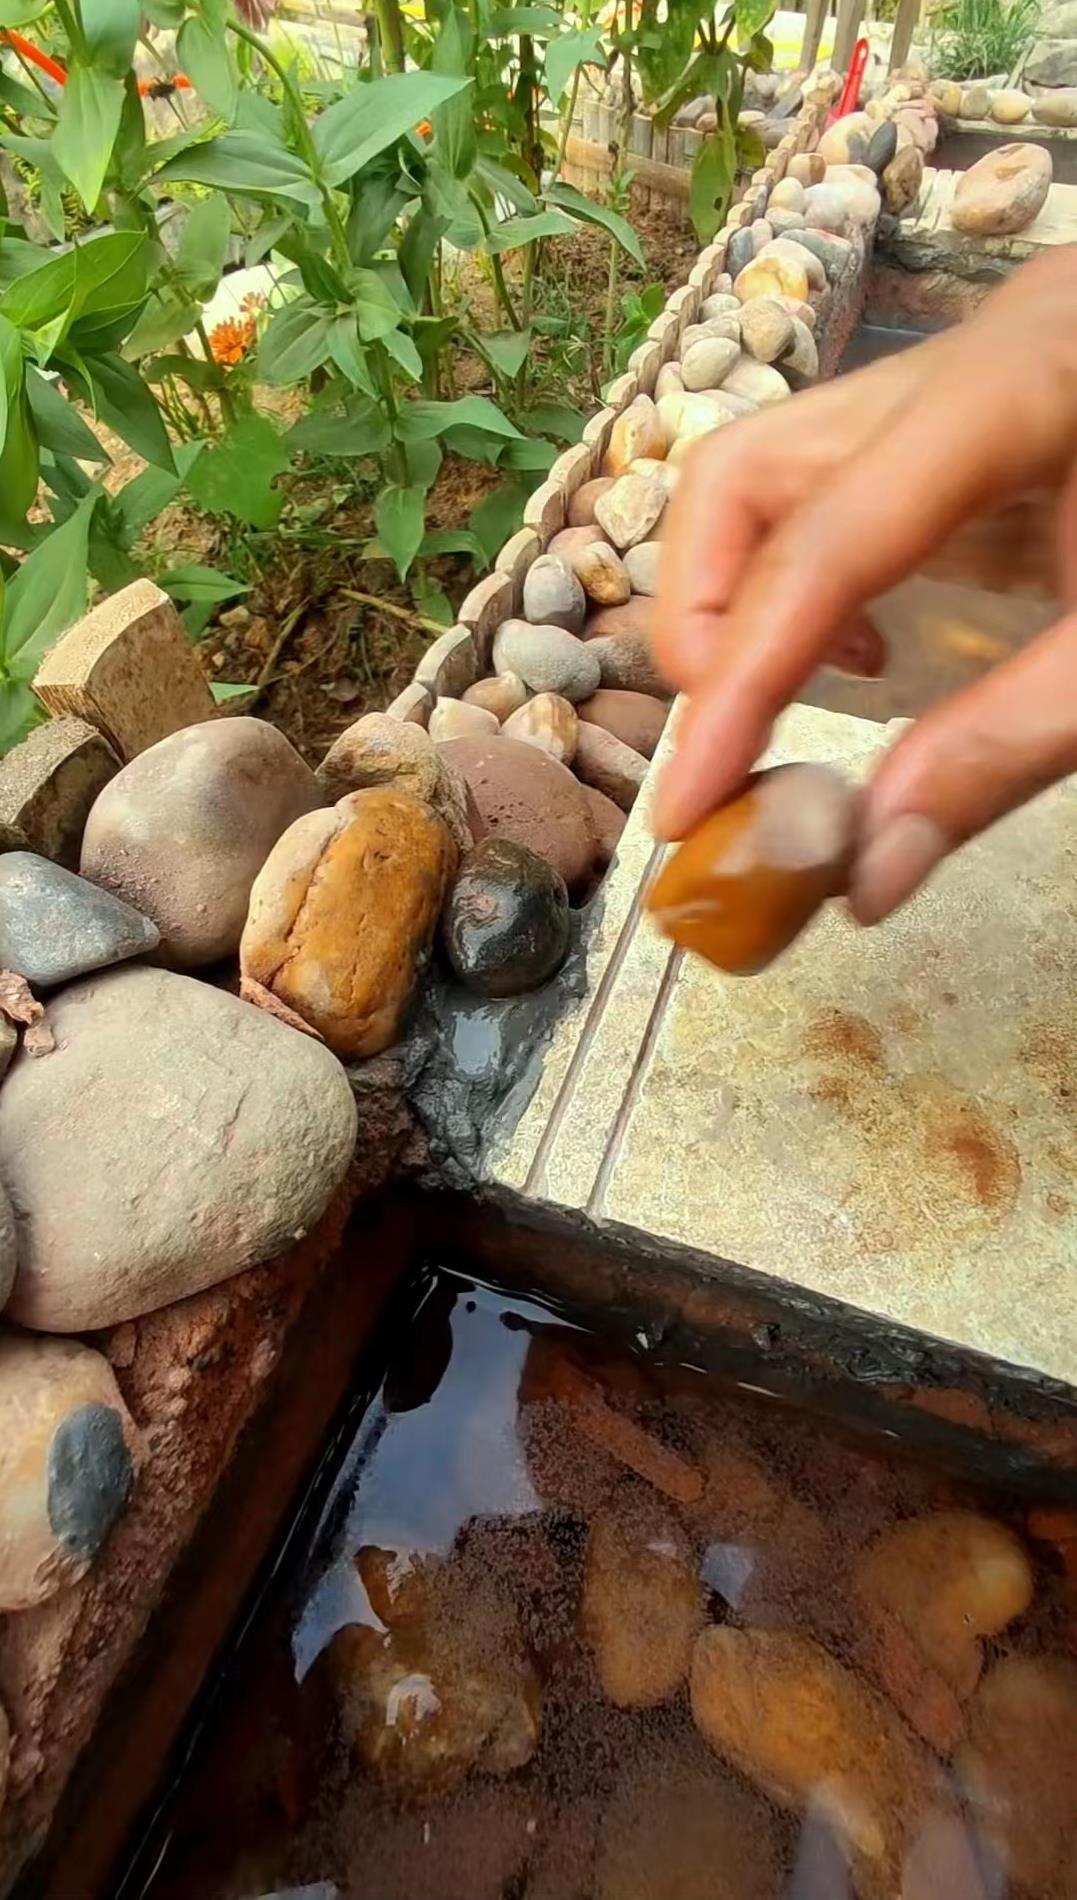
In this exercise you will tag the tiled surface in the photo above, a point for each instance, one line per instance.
(884, 1118)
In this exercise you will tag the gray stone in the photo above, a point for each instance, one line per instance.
(1003, 192)
(784, 222)
(626, 663)
(89, 1479)
(506, 923)
(975, 101)
(766, 329)
(631, 510)
(553, 596)
(9, 1042)
(881, 147)
(1052, 63)
(704, 364)
(832, 252)
(9, 1240)
(802, 360)
(182, 832)
(1056, 108)
(547, 659)
(739, 251)
(174, 1137)
(1059, 22)
(642, 566)
(55, 925)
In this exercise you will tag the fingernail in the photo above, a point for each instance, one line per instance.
(892, 866)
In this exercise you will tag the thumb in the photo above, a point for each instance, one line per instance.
(967, 762)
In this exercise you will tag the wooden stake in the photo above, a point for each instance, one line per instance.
(129, 670)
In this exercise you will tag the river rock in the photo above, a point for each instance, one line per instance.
(9, 1246)
(608, 822)
(827, 209)
(762, 231)
(974, 102)
(637, 719)
(704, 365)
(380, 750)
(506, 924)
(524, 794)
(721, 304)
(803, 256)
(668, 382)
(549, 722)
(691, 415)
(1003, 192)
(626, 664)
(802, 359)
(609, 765)
(455, 719)
(641, 564)
(553, 596)
(782, 1711)
(902, 180)
(634, 617)
(343, 913)
(1056, 108)
(636, 432)
(181, 832)
(569, 543)
(725, 329)
(739, 252)
(66, 1468)
(772, 275)
(846, 141)
(547, 659)
(808, 168)
(502, 695)
(55, 926)
(1009, 107)
(661, 471)
(832, 252)
(676, 1825)
(1052, 63)
(786, 222)
(758, 381)
(174, 1137)
(950, 1579)
(602, 575)
(641, 1605)
(881, 147)
(787, 195)
(1018, 1769)
(766, 329)
(631, 510)
(581, 508)
(947, 96)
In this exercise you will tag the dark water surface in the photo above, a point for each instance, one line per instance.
(566, 1624)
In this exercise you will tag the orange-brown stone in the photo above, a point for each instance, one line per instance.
(343, 913)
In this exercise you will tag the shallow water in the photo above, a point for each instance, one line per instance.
(573, 1625)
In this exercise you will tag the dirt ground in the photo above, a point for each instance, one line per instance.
(316, 656)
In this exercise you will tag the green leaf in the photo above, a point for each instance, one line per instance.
(713, 175)
(24, 100)
(502, 183)
(424, 233)
(141, 500)
(398, 518)
(452, 541)
(377, 201)
(224, 690)
(361, 430)
(449, 202)
(751, 17)
(498, 516)
(59, 427)
(509, 235)
(104, 273)
(203, 246)
(432, 600)
(404, 352)
(205, 56)
(268, 234)
(296, 342)
(245, 162)
(19, 712)
(21, 12)
(196, 582)
(125, 404)
(422, 421)
(11, 372)
(192, 370)
(86, 129)
(556, 418)
(749, 151)
(110, 28)
(454, 122)
(531, 452)
(574, 202)
(49, 591)
(19, 458)
(376, 309)
(373, 116)
(510, 22)
(424, 461)
(236, 476)
(505, 350)
(165, 319)
(566, 53)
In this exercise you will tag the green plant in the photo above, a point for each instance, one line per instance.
(974, 38)
(639, 308)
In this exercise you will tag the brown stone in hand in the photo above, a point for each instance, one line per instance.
(748, 879)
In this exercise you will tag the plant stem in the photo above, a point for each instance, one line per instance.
(308, 150)
(390, 34)
(72, 25)
(503, 292)
(390, 607)
(396, 458)
(566, 124)
(623, 135)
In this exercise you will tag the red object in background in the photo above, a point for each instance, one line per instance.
(854, 79)
(151, 88)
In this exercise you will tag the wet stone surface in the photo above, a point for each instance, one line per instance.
(55, 926)
(506, 926)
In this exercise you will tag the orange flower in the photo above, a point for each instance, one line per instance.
(424, 128)
(230, 340)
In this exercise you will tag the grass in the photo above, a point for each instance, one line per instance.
(974, 38)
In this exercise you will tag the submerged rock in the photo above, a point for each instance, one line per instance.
(678, 1827)
(65, 1464)
(1018, 1770)
(1003, 192)
(506, 925)
(55, 926)
(753, 874)
(174, 1137)
(343, 914)
(524, 794)
(642, 1604)
(182, 831)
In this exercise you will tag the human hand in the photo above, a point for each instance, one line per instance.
(786, 525)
